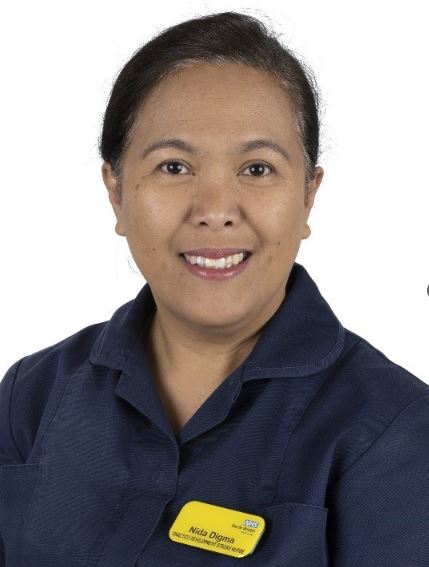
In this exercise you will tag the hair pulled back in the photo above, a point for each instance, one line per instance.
(220, 38)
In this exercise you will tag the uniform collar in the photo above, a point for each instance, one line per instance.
(303, 337)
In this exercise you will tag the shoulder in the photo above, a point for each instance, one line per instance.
(378, 494)
(28, 383)
(365, 373)
(370, 396)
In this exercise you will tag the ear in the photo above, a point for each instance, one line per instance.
(311, 194)
(115, 195)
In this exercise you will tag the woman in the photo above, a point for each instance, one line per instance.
(224, 416)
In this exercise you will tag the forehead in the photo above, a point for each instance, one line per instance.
(230, 98)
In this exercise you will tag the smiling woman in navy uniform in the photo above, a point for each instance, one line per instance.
(235, 386)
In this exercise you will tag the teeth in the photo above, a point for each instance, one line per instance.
(216, 264)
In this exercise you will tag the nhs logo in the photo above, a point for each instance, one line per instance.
(251, 523)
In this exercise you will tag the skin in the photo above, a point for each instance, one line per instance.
(204, 329)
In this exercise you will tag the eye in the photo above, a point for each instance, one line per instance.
(171, 170)
(257, 166)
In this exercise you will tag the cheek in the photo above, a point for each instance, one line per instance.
(283, 231)
(152, 226)
(146, 214)
(283, 221)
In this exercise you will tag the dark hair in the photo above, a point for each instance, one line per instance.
(226, 37)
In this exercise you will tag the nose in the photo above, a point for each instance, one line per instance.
(216, 203)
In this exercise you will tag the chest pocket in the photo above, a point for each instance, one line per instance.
(17, 485)
(294, 536)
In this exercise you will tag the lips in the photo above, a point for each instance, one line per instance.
(216, 253)
(215, 274)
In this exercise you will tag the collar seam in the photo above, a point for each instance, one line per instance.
(336, 348)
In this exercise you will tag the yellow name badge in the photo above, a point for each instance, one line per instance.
(218, 529)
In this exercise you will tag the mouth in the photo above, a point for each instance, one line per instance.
(187, 258)
(222, 271)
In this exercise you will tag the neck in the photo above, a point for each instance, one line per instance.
(173, 353)
(180, 354)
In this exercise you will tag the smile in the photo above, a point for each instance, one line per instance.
(221, 269)
(225, 262)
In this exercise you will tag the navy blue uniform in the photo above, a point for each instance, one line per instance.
(317, 431)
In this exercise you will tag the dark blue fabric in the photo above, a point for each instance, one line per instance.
(317, 431)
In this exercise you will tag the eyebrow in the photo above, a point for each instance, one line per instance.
(187, 147)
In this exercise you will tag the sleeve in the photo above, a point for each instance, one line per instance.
(379, 508)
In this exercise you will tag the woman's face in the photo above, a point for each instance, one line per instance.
(217, 197)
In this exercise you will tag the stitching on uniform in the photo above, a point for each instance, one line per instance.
(339, 340)
(356, 461)
(322, 383)
(10, 410)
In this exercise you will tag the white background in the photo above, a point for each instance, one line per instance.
(63, 266)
